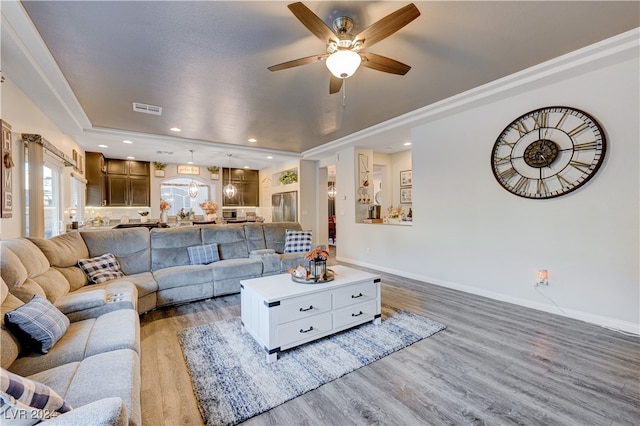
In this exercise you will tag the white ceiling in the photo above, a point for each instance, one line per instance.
(205, 63)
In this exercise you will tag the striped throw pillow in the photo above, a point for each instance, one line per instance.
(28, 401)
(102, 268)
(297, 241)
(38, 323)
(204, 254)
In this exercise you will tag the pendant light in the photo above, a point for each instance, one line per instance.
(193, 187)
(230, 189)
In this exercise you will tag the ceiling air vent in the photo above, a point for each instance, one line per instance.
(147, 109)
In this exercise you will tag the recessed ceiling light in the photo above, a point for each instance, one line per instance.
(407, 143)
(246, 167)
(102, 146)
(269, 157)
(175, 129)
(126, 141)
(253, 140)
(131, 158)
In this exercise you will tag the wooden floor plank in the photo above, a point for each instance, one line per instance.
(496, 363)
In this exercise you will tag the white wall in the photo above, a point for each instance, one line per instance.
(470, 233)
(25, 117)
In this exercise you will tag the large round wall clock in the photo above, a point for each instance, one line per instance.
(548, 152)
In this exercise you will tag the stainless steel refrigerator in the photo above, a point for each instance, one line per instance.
(285, 207)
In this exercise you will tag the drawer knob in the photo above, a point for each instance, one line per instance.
(306, 331)
(355, 297)
(308, 309)
(358, 314)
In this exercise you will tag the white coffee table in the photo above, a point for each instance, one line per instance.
(281, 314)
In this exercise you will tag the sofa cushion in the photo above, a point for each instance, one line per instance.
(254, 233)
(274, 234)
(297, 241)
(12, 270)
(102, 268)
(231, 240)
(38, 321)
(63, 252)
(106, 375)
(34, 261)
(112, 331)
(169, 246)
(31, 394)
(9, 343)
(183, 276)
(130, 246)
(203, 254)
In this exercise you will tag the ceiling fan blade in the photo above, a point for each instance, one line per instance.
(312, 22)
(384, 64)
(298, 62)
(388, 25)
(335, 84)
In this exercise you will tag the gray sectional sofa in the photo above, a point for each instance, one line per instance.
(95, 366)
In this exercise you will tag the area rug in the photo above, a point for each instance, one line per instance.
(232, 381)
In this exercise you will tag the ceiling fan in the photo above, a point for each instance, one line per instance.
(343, 57)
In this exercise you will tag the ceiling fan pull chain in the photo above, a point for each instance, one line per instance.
(344, 93)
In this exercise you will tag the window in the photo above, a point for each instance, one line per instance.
(51, 173)
(176, 192)
(77, 199)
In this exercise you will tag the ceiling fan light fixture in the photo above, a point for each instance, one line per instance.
(343, 63)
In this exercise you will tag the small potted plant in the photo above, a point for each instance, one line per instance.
(159, 168)
(144, 216)
(288, 177)
(214, 172)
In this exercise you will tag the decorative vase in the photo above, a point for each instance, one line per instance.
(211, 217)
(144, 219)
(163, 217)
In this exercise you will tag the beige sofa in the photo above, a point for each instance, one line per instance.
(95, 366)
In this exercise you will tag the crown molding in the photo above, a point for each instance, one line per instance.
(613, 50)
(27, 62)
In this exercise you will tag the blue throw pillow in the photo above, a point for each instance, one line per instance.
(38, 322)
(102, 268)
(203, 255)
(297, 241)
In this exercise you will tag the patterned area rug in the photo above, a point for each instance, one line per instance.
(233, 382)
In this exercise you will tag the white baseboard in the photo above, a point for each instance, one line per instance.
(607, 322)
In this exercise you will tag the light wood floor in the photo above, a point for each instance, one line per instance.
(495, 363)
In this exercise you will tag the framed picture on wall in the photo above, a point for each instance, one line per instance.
(405, 196)
(405, 178)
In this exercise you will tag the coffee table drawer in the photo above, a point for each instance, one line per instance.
(355, 314)
(304, 330)
(354, 294)
(303, 307)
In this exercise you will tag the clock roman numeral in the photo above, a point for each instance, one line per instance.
(508, 174)
(585, 146)
(581, 128)
(521, 184)
(542, 188)
(561, 121)
(583, 167)
(541, 120)
(521, 128)
(502, 160)
(563, 182)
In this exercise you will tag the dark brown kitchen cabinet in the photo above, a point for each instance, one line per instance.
(96, 179)
(247, 183)
(127, 183)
